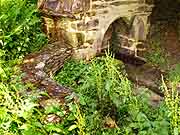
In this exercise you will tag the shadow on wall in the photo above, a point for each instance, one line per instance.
(165, 10)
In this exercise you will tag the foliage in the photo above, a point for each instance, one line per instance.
(156, 55)
(20, 113)
(174, 74)
(15, 110)
(106, 93)
(172, 99)
(107, 103)
(99, 93)
(20, 30)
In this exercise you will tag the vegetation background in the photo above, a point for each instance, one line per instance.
(107, 103)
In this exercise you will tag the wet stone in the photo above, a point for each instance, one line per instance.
(37, 66)
(40, 65)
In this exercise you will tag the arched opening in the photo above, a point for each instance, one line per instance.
(118, 40)
(113, 36)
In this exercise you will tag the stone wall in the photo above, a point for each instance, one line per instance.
(83, 23)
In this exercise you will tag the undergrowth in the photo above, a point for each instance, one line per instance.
(156, 55)
(21, 113)
(172, 98)
(20, 28)
(107, 104)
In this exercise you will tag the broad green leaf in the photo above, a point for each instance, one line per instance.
(72, 127)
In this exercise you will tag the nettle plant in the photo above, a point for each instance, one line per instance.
(20, 29)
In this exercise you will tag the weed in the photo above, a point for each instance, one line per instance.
(20, 113)
(17, 111)
(20, 29)
(105, 92)
(174, 74)
(100, 85)
(172, 100)
(107, 105)
(156, 55)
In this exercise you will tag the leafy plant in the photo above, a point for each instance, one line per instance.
(156, 55)
(21, 114)
(106, 105)
(174, 74)
(105, 92)
(20, 29)
(99, 86)
(172, 101)
(16, 110)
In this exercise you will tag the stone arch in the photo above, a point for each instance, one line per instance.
(119, 26)
(105, 28)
